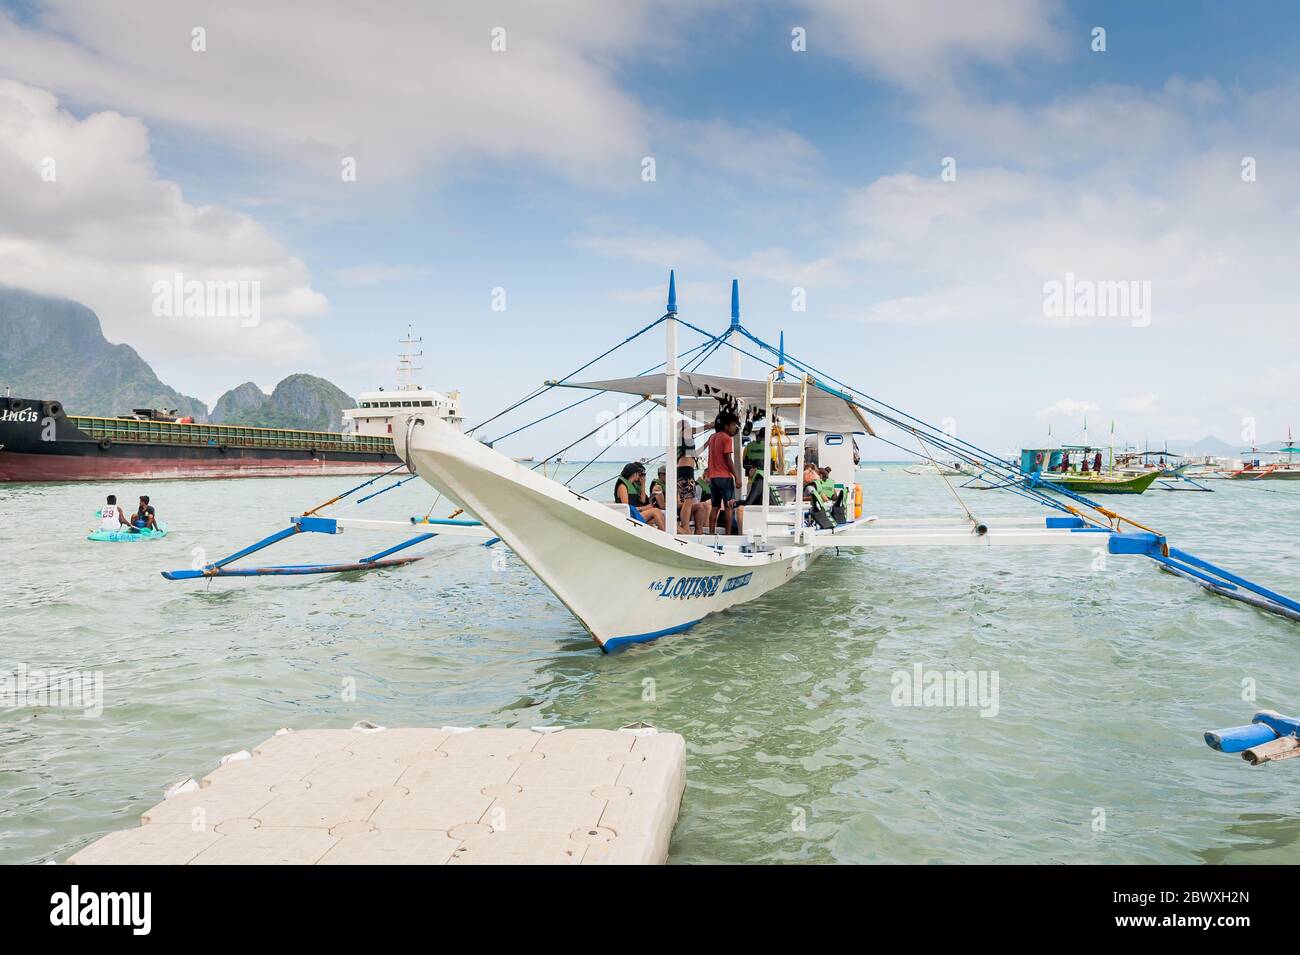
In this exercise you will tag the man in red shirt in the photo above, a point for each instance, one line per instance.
(721, 472)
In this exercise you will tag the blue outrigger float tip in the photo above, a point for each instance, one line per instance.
(735, 303)
(672, 292)
(1269, 737)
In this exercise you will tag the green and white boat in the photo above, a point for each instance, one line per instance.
(1079, 468)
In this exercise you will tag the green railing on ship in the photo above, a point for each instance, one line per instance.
(233, 436)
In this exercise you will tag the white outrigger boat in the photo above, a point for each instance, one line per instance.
(628, 582)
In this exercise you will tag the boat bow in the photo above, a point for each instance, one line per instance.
(625, 581)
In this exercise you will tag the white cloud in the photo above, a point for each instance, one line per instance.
(1069, 408)
(922, 44)
(410, 90)
(1138, 404)
(689, 294)
(1212, 247)
(401, 86)
(378, 274)
(106, 228)
(776, 156)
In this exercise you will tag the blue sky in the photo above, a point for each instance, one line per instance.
(819, 170)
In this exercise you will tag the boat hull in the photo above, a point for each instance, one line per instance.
(146, 464)
(40, 442)
(1135, 484)
(1262, 474)
(624, 581)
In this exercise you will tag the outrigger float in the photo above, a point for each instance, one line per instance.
(627, 582)
(1269, 737)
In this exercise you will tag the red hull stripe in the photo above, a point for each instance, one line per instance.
(52, 467)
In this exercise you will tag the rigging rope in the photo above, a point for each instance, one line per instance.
(580, 401)
(951, 490)
(691, 366)
(986, 460)
(576, 371)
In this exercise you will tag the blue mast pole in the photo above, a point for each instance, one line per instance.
(735, 326)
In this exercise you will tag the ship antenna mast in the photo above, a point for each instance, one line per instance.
(406, 366)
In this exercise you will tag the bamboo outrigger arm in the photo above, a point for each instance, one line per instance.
(330, 525)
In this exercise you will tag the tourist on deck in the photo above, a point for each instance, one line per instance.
(628, 490)
(690, 509)
(690, 497)
(826, 486)
(753, 453)
(754, 499)
(721, 471)
(812, 492)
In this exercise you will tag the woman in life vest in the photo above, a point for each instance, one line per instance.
(628, 490)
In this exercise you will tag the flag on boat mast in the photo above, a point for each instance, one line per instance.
(670, 411)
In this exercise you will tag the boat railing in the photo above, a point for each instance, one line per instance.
(200, 434)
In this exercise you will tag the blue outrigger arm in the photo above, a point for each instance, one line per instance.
(1270, 736)
(330, 525)
(1213, 578)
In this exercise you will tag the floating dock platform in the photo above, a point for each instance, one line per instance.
(370, 795)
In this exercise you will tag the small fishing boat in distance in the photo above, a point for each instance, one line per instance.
(1174, 472)
(1079, 468)
(956, 469)
(1257, 469)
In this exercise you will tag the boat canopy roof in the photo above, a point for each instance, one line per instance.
(827, 409)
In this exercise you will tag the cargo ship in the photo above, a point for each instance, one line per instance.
(40, 441)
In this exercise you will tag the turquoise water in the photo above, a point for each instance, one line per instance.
(796, 750)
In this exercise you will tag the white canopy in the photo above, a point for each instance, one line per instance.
(698, 393)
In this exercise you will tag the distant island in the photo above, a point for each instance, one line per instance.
(300, 401)
(55, 348)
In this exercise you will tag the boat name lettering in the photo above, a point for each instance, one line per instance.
(735, 583)
(28, 415)
(688, 588)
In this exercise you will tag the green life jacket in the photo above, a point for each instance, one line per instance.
(826, 488)
(753, 454)
(633, 491)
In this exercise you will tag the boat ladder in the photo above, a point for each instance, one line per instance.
(788, 518)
